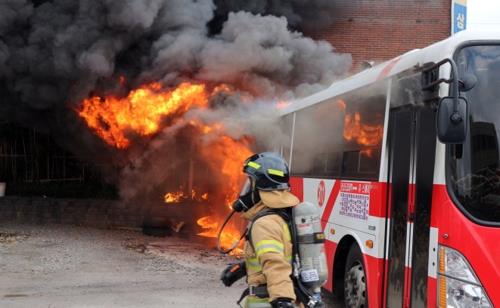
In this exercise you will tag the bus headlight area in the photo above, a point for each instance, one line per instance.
(458, 286)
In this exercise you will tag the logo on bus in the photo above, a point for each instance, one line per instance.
(321, 193)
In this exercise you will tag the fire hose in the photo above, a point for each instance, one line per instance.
(235, 244)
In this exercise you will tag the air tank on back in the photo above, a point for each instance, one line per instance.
(313, 267)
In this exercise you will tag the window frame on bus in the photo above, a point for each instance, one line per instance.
(382, 94)
(450, 149)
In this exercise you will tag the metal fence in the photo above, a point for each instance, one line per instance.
(32, 164)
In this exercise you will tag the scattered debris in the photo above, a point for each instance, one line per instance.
(135, 245)
(10, 238)
(15, 295)
(105, 268)
(177, 226)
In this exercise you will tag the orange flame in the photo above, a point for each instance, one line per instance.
(341, 104)
(227, 155)
(141, 112)
(363, 134)
(177, 197)
(210, 224)
(229, 236)
(356, 130)
(229, 160)
(282, 104)
(367, 152)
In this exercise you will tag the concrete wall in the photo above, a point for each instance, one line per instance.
(84, 212)
(380, 30)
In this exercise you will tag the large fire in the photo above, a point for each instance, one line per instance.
(147, 110)
(358, 131)
(141, 112)
(229, 157)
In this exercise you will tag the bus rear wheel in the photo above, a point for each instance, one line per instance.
(355, 280)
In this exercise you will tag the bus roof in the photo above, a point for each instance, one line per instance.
(417, 57)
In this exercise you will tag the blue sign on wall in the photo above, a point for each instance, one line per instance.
(459, 17)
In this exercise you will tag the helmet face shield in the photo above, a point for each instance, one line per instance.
(249, 196)
(266, 172)
(246, 187)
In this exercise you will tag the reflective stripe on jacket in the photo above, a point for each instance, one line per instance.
(270, 263)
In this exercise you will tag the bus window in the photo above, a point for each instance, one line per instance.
(475, 176)
(341, 137)
(317, 140)
(363, 133)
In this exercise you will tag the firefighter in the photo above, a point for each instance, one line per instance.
(268, 248)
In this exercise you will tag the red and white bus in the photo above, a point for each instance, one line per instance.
(403, 160)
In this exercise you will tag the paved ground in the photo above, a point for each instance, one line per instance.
(63, 266)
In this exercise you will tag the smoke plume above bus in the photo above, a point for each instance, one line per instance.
(80, 70)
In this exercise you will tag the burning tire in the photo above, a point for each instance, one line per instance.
(355, 295)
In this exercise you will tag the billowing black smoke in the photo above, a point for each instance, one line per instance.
(300, 14)
(53, 54)
(57, 52)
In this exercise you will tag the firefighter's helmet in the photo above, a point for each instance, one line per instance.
(269, 170)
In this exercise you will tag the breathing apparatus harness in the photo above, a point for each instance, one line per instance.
(237, 271)
(267, 171)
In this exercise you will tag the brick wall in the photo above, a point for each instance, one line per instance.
(379, 30)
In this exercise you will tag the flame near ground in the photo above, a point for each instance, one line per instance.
(145, 111)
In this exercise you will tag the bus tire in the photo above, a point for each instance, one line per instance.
(355, 291)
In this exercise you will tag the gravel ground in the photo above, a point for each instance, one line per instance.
(64, 266)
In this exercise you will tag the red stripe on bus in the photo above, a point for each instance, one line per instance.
(431, 292)
(297, 187)
(330, 249)
(385, 281)
(411, 198)
(374, 266)
(387, 69)
(330, 204)
(407, 289)
(378, 196)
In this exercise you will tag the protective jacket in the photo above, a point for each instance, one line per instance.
(268, 258)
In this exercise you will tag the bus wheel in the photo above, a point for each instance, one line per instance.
(355, 280)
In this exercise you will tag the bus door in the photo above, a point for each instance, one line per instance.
(412, 141)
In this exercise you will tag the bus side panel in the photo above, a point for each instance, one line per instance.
(477, 243)
(329, 194)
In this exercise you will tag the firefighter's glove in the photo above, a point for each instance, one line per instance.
(233, 273)
(282, 303)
